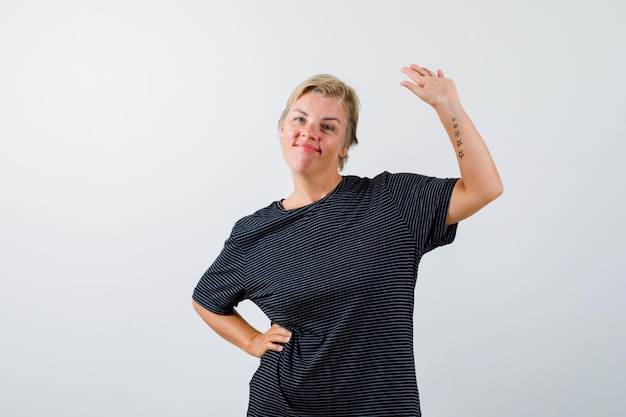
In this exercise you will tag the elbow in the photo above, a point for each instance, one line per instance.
(497, 191)
(493, 192)
(486, 194)
(500, 188)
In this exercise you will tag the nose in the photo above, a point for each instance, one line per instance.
(308, 132)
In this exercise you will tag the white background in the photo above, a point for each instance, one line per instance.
(133, 134)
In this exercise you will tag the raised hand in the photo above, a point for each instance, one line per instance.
(434, 89)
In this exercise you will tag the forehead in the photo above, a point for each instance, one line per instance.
(314, 102)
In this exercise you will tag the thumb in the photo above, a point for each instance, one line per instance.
(416, 89)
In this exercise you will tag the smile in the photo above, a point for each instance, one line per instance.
(307, 148)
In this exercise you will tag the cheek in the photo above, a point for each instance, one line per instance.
(286, 133)
(284, 142)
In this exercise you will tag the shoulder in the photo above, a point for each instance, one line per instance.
(416, 181)
(387, 181)
(386, 176)
(353, 182)
(257, 219)
(382, 183)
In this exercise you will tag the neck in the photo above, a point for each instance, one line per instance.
(307, 190)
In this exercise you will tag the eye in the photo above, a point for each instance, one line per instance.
(298, 119)
(328, 128)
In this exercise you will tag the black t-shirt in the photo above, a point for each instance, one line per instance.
(339, 273)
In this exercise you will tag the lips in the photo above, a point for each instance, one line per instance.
(307, 148)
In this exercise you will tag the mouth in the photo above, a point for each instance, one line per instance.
(306, 148)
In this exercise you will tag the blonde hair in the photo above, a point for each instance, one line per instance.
(327, 85)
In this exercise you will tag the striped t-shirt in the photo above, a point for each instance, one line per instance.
(339, 273)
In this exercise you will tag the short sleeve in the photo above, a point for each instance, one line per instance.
(221, 287)
(422, 202)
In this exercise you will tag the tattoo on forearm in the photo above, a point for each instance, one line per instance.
(457, 135)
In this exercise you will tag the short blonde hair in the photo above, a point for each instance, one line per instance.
(327, 85)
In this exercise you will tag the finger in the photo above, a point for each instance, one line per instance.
(274, 347)
(278, 329)
(275, 342)
(413, 69)
(409, 85)
(412, 74)
(278, 337)
(429, 72)
(423, 70)
(414, 88)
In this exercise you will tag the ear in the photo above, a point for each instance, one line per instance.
(344, 151)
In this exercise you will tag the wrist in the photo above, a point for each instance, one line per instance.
(447, 108)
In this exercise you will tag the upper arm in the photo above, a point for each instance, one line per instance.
(464, 203)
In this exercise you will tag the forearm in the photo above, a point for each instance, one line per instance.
(231, 327)
(480, 182)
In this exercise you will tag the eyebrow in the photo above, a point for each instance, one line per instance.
(324, 118)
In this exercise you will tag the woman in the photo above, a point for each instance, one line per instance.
(334, 264)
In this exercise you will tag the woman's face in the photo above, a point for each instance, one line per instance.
(313, 135)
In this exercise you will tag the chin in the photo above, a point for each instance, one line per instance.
(298, 165)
